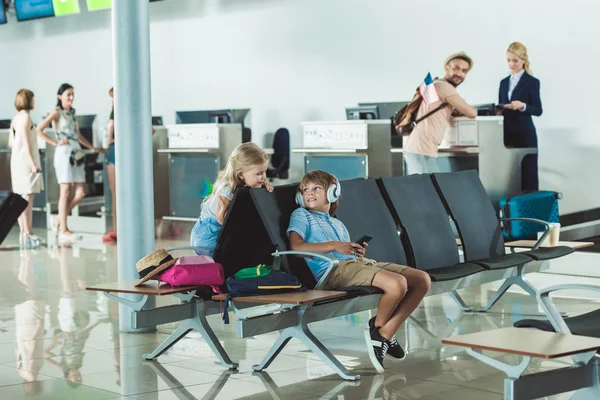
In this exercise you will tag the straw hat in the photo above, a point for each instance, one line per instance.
(461, 55)
(153, 264)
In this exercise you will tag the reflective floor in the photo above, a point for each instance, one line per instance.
(58, 341)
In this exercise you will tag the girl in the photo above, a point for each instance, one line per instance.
(110, 169)
(25, 162)
(246, 166)
(68, 137)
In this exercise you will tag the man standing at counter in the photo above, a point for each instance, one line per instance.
(421, 146)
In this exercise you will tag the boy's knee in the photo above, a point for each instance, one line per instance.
(424, 281)
(398, 285)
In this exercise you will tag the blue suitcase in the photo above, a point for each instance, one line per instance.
(540, 205)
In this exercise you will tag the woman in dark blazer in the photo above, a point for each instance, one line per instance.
(520, 96)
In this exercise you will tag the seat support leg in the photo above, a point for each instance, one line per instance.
(459, 300)
(303, 333)
(200, 324)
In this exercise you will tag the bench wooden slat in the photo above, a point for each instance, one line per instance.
(526, 342)
(528, 244)
(308, 297)
(150, 288)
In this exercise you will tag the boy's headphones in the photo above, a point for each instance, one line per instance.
(334, 192)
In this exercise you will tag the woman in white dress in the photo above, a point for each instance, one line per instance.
(68, 137)
(25, 165)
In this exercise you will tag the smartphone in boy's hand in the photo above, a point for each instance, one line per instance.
(363, 239)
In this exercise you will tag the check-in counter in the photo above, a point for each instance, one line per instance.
(479, 144)
(194, 155)
(347, 149)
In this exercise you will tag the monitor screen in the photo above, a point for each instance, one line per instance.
(65, 7)
(364, 112)
(32, 9)
(192, 117)
(157, 121)
(2, 13)
(4, 123)
(386, 109)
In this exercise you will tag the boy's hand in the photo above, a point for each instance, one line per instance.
(349, 248)
(268, 186)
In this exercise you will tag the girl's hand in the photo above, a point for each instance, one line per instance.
(62, 142)
(517, 105)
(349, 248)
(33, 167)
(268, 186)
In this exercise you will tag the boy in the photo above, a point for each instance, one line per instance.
(313, 227)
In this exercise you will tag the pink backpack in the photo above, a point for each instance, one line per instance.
(195, 271)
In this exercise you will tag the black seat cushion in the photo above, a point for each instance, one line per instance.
(505, 261)
(549, 253)
(584, 325)
(455, 272)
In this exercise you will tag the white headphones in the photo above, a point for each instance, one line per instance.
(334, 192)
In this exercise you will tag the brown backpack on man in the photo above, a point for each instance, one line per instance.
(405, 119)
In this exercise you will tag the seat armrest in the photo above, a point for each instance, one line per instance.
(544, 300)
(333, 263)
(194, 248)
(535, 221)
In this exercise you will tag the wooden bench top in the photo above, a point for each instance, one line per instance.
(150, 288)
(526, 342)
(528, 244)
(308, 297)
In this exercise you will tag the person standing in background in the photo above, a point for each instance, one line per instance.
(25, 164)
(110, 170)
(421, 147)
(519, 96)
(68, 137)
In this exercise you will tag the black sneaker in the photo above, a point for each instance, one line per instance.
(396, 351)
(377, 346)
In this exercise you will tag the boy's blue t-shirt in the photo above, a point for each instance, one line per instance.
(318, 227)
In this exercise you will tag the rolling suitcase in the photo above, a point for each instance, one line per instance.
(540, 205)
(11, 206)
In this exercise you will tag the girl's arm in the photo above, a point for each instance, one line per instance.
(82, 138)
(53, 116)
(21, 129)
(222, 207)
(110, 131)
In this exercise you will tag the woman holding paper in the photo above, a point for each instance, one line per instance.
(519, 96)
(25, 162)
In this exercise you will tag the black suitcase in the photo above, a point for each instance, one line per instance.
(11, 207)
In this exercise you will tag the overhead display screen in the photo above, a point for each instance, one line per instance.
(65, 7)
(94, 5)
(33, 9)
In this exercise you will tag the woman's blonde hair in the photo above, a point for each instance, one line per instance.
(520, 51)
(320, 177)
(24, 100)
(243, 158)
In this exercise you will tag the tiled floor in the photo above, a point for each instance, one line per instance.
(58, 341)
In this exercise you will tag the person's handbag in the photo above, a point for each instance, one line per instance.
(194, 271)
(77, 158)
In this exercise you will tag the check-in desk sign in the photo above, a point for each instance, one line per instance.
(193, 136)
(335, 136)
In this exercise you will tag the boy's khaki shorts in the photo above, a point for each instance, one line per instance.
(360, 272)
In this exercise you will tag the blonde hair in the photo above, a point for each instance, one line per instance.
(520, 51)
(242, 158)
(319, 177)
(24, 100)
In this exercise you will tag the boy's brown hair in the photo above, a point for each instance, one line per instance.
(322, 178)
